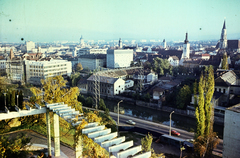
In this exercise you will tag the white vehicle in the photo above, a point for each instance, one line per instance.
(130, 122)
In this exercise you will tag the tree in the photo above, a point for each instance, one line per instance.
(89, 102)
(102, 105)
(161, 66)
(184, 96)
(79, 67)
(206, 140)
(14, 147)
(225, 61)
(146, 143)
(75, 78)
(146, 146)
(55, 92)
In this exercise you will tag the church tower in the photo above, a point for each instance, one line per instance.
(223, 40)
(120, 43)
(186, 48)
(164, 44)
(82, 41)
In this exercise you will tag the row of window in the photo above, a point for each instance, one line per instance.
(51, 66)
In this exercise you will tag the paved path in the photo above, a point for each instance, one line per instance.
(40, 141)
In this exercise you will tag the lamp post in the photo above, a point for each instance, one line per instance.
(118, 114)
(170, 116)
(17, 99)
(118, 110)
(5, 98)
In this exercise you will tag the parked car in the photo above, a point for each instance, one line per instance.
(175, 133)
(130, 122)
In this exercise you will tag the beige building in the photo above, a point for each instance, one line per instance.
(231, 136)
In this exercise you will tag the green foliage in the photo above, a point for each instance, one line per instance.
(102, 105)
(75, 78)
(161, 66)
(184, 97)
(147, 97)
(146, 143)
(210, 84)
(89, 102)
(13, 147)
(201, 105)
(205, 137)
(225, 62)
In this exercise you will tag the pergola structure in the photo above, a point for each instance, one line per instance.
(98, 133)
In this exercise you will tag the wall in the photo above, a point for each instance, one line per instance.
(231, 137)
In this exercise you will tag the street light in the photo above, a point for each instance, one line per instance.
(118, 110)
(118, 114)
(17, 100)
(170, 116)
(5, 98)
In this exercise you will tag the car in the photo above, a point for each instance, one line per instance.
(130, 122)
(175, 133)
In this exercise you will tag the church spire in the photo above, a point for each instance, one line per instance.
(224, 26)
(223, 39)
(186, 39)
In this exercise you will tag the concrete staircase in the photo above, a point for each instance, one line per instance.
(116, 146)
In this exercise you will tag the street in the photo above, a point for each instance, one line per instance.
(157, 127)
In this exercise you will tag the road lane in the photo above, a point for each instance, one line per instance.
(157, 127)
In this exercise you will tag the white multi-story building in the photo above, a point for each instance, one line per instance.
(118, 58)
(37, 70)
(84, 51)
(92, 61)
(28, 47)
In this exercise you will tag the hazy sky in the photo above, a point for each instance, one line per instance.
(67, 20)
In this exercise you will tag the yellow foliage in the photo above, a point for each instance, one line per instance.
(93, 117)
(55, 91)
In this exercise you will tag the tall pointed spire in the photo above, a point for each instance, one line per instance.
(224, 26)
(186, 39)
(223, 39)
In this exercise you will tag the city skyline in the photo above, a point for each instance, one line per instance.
(48, 21)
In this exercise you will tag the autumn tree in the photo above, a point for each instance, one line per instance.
(13, 147)
(79, 67)
(146, 143)
(55, 91)
(206, 140)
(225, 61)
(91, 148)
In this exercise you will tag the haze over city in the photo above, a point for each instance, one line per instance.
(47, 21)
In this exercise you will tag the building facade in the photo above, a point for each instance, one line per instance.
(85, 51)
(37, 70)
(231, 136)
(108, 85)
(92, 61)
(118, 58)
